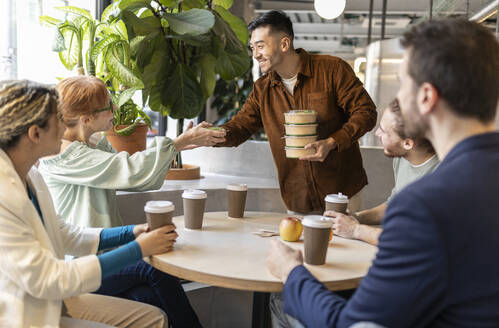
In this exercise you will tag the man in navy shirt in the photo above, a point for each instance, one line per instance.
(437, 264)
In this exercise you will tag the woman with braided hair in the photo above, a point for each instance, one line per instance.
(34, 277)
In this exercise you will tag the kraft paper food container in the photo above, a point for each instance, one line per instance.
(300, 117)
(300, 129)
(299, 141)
(297, 152)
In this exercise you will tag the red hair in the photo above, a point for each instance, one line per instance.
(81, 95)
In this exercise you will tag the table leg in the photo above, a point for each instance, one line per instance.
(261, 310)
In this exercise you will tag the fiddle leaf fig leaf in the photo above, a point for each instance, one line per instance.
(183, 93)
(208, 78)
(237, 24)
(194, 21)
(230, 65)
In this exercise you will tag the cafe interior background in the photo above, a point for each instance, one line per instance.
(364, 34)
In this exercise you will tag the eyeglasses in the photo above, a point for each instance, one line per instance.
(109, 108)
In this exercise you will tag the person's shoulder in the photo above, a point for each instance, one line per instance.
(329, 59)
(263, 81)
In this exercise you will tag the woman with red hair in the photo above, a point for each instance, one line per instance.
(84, 176)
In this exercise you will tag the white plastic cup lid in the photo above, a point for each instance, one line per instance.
(194, 194)
(237, 187)
(303, 111)
(159, 206)
(317, 221)
(337, 198)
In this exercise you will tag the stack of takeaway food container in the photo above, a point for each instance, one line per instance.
(301, 129)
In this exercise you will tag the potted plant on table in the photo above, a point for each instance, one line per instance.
(105, 46)
(180, 47)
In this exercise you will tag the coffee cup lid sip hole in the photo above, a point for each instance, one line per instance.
(159, 206)
(337, 198)
(317, 221)
(237, 187)
(194, 194)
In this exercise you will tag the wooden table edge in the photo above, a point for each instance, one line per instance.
(241, 284)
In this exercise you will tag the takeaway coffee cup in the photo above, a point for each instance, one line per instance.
(337, 202)
(158, 213)
(236, 199)
(194, 203)
(316, 229)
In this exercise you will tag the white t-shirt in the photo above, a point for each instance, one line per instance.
(290, 83)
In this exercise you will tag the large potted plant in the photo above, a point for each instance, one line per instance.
(180, 47)
(105, 46)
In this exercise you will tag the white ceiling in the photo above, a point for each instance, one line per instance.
(347, 35)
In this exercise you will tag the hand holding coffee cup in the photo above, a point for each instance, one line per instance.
(194, 203)
(158, 241)
(158, 213)
(236, 200)
(316, 232)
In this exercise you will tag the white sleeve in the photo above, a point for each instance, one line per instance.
(36, 269)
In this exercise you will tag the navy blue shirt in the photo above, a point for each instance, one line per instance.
(437, 262)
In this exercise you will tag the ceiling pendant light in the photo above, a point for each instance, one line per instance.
(329, 9)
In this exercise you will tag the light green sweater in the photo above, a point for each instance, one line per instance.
(83, 180)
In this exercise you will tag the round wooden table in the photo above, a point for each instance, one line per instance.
(225, 253)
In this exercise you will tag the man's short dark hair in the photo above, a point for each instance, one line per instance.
(399, 128)
(461, 60)
(277, 20)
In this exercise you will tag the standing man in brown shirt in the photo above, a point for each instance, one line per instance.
(293, 80)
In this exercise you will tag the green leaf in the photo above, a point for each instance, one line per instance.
(183, 93)
(69, 56)
(120, 71)
(194, 21)
(226, 34)
(125, 96)
(141, 26)
(237, 24)
(156, 101)
(135, 44)
(120, 28)
(145, 117)
(49, 21)
(231, 65)
(58, 42)
(223, 3)
(202, 40)
(76, 11)
(111, 12)
(191, 4)
(132, 5)
(208, 79)
(155, 71)
(100, 46)
(126, 131)
(169, 3)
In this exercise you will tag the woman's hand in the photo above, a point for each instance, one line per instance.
(198, 136)
(158, 241)
(139, 229)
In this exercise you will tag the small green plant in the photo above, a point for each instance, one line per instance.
(105, 47)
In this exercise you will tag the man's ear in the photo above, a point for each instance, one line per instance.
(33, 134)
(285, 43)
(408, 144)
(427, 98)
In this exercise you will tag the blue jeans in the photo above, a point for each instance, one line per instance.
(142, 283)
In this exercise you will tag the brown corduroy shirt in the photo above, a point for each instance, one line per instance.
(345, 112)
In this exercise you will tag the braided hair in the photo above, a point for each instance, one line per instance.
(23, 104)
